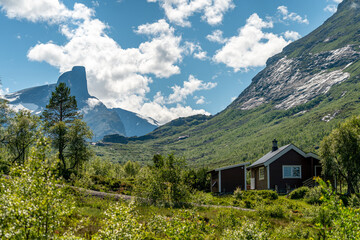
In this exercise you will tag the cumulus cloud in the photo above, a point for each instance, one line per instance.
(286, 15)
(44, 10)
(199, 100)
(332, 8)
(178, 11)
(196, 50)
(292, 35)
(216, 36)
(118, 77)
(164, 114)
(251, 47)
(189, 87)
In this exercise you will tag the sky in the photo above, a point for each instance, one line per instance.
(160, 58)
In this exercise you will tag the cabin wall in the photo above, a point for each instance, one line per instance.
(233, 178)
(291, 158)
(259, 184)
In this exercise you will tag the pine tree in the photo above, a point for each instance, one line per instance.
(59, 116)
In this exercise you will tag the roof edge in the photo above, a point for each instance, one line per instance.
(232, 166)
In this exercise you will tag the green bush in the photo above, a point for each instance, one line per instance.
(163, 183)
(248, 230)
(273, 211)
(314, 195)
(32, 205)
(255, 194)
(354, 201)
(299, 193)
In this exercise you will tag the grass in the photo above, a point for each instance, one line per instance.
(279, 214)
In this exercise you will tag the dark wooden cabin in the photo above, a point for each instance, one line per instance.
(227, 179)
(284, 169)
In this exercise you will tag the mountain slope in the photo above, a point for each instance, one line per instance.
(301, 95)
(101, 120)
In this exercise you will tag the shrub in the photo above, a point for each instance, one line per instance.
(273, 211)
(32, 206)
(255, 194)
(354, 201)
(163, 183)
(314, 195)
(186, 224)
(248, 230)
(121, 223)
(299, 193)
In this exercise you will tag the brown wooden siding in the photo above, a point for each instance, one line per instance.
(259, 184)
(232, 178)
(291, 158)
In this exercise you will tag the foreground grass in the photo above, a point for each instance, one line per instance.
(280, 219)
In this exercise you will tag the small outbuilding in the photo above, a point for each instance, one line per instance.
(284, 168)
(227, 179)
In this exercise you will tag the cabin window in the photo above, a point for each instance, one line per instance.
(292, 171)
(261, 173)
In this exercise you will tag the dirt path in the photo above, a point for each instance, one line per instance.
(116, 196)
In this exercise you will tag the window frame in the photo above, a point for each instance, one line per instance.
(263, 175)
(292, 173)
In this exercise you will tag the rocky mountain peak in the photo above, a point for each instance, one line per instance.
(76, 81)
(310, 66)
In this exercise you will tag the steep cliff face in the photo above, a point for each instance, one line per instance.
(100, 119)
(293, 81)
(310, 66)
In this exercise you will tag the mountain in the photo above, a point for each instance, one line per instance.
(299, 97)
(136, 124)
(101, 120)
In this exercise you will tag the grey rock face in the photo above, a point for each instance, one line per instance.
(292, 81)
(100, 119)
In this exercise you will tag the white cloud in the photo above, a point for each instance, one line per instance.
(164, 114)
(214, 13)
(178, 11)
(291, 35)
(330, 8)
(216, 36)
(200, 100)
(252, 47)
(118, 77)
(44, 10)
(180, 93)
(202, 55)
(196, 50)
(286, 15)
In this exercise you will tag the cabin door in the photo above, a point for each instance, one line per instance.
(252, 183)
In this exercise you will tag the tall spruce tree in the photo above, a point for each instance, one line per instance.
(59, 115)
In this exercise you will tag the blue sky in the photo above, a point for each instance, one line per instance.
(160, 58)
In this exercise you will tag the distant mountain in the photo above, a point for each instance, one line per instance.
(135, 124)
(101, 120)
(299, 97)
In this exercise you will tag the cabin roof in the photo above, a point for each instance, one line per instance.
(273, 155)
